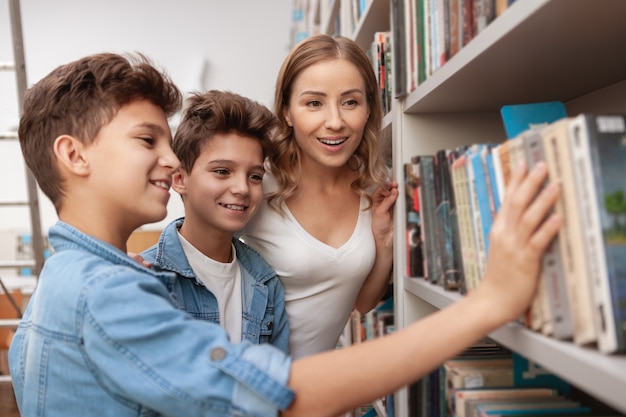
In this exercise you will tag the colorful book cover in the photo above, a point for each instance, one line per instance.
(520, 117)
(481, 178)
(467, 251)
(414, 256)
(479, 242)
(598, 148)
(529, 374)
(427, 180)
(450, 277)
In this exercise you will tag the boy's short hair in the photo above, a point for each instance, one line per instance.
(79, 98)
(220, 112)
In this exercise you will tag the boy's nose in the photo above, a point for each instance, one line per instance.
(170, 160)
(240, 185)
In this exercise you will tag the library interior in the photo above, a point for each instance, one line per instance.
(470, 90)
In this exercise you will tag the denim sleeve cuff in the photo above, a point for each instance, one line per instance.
(262, 374)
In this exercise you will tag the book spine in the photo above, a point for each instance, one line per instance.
(461, 191)
(428, 215)
(557, 318)
(574, 261)
(590, 219)
(479, 243)
(482, 197)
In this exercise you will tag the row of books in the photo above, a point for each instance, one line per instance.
(375, 323)
(380, 54)
(454, 196)
(367, 326)
(350, 14)
(489, 380)
(430, 32)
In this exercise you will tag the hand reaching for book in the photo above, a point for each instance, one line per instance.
(521, 232)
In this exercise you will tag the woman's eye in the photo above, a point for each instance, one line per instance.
(256, 177)
(314, 103)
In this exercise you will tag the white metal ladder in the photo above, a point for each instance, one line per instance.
(32, 202)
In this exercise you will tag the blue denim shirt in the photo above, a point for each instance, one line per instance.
(264, 319)
(102, 337)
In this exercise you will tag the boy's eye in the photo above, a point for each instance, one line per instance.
(221, 171)
(256, 177)
(148, 140)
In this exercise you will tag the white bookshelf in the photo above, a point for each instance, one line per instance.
(537, 50)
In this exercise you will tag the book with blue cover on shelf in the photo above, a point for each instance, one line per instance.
(520, 117)
(476, 221)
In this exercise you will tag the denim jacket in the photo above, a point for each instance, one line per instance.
(264, 319)
(102, 337)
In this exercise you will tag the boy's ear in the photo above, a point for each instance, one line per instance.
(70, 154)
(179, 181)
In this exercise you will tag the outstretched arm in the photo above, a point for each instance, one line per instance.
(376, 283)
(336, 381)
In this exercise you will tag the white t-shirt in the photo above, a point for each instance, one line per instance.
(321, 282)
(224, 281)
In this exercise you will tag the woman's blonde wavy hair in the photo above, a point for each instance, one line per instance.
(285, 164)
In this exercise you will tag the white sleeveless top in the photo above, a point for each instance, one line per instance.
(321, 283)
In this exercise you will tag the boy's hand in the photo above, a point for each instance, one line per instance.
(522, 230)
(137, 257)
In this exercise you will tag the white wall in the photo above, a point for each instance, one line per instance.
(241, 43)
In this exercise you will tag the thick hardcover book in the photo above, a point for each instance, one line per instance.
(467, 21)
(490, 170)
(411, 44)
(454, 219)
(454, 27)
(554, 407)
(598, 149)
(479, 242)
(482, 185)
(484, 13)
(421, 40)
(557, 319)
(461, 397)
(427, 180)
(399, 38)
(466, 228)
(450, 261)
(414, 256)
(571, 244)
(520, 117)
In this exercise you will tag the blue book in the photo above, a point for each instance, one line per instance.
(537, 412)
(527, 374)
(476, 221)
(482, 196)
(520, 117)
(492, 188)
